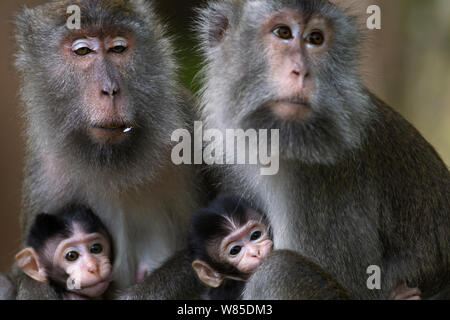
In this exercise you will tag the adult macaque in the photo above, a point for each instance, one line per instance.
(357, 185)
(71, 250)
(227, 240)
(101, 103)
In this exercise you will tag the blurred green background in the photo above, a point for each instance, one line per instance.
(406, 63)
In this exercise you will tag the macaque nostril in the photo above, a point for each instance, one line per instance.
(108, 92)
(296, 73)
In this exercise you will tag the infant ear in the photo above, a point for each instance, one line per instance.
(28, 261)
(207, 274)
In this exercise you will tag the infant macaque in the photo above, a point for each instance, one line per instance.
(72, 251)
(228, 240)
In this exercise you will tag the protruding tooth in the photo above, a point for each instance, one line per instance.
(127, 130)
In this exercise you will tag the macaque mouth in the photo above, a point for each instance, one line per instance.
(115, 126)
(294, 103)
(111, 132)
(94, 290)
(96, 284)
(290, 109)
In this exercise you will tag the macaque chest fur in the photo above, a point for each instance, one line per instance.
(319, 228)
(145, 234)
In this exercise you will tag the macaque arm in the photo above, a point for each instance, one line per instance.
(174, 280)
(286, 275)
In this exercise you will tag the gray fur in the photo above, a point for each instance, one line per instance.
(144, 200)
(306, 280)
(357, 186)
(7, 289)
(168, 282)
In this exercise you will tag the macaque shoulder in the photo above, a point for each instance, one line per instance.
(395, 142)
(396, 149)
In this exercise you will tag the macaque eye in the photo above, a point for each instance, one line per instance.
(255, 235)
(96, 248)
(119, 45)
(283, 32)
(83, 51)
(72, 256)
(118, 49)
(235, 250)
(315, 38)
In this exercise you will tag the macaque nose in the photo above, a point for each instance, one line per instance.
(299, 78)
(110, 90)
(92, 266)
(255, 251)
(300, 74)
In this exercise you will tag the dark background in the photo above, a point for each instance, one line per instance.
(407, 64)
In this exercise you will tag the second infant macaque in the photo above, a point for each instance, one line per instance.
(228, 241)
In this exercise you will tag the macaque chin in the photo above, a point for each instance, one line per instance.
(235, 247)
(76, 260)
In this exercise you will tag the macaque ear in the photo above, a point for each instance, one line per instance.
(207, 274)
(214, 23)
(28, 261)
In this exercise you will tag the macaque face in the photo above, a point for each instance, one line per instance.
(308, 56)
(246, 247)
(293, 46)
(102, 58)
(86, 260)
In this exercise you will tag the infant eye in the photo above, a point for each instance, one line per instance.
(315, 38)
(118, 49)
(255, 235)
(72, 256)
(96, 248)
(235, 250)
(83, 51)
(283, 32)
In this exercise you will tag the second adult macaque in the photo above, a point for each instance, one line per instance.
(70, 250)
(357, 184)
